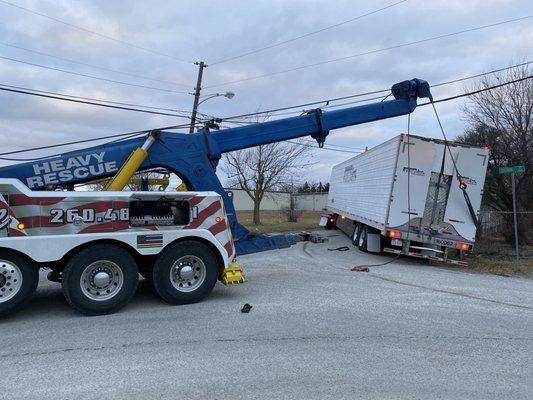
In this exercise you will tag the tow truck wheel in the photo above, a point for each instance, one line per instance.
(19, 277)
(100, 279)
(363, 236)
(185, 272)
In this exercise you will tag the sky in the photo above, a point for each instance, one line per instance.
(167, 37)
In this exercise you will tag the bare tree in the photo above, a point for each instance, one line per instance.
(263, 168)
(502, 119)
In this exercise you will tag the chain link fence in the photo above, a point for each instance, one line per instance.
(500, 223)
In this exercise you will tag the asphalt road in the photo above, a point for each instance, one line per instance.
(316, 331)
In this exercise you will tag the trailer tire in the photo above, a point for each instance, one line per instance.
(362, 239)
(100, 279)
(19, 277)
(356, 233)
(185, 272)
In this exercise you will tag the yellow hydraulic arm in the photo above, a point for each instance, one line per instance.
(230, 275)
(132, 164)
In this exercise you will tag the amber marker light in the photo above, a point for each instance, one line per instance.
(394, 234)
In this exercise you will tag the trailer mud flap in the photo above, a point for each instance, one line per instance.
(373, 242)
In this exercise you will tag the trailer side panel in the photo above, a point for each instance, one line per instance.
(361, 186)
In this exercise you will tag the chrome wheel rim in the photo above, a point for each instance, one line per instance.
(361, 238)
(187, 273)
(101, 280)
(10, 280)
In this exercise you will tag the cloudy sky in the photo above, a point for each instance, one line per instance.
(177, 33)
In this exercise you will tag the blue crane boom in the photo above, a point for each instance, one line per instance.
(194, 157)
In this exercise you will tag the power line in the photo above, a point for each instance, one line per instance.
(91, 99)
(184, 125)
(277, 44)
(91, 65)
(338, 145)
(120, 135)
(6, 89)
(80, 28)
(274, 111)
(48, 156)
(483, 74)
(305, 104)
(372, 51)
(324, 148)
(91, 76)
(474, 92)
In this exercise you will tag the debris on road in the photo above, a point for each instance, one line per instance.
(342, 248)
(246, 308)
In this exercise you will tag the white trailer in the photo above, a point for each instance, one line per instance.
(410, 195)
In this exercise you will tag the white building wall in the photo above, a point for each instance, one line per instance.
(310, 201)
(279, 200)
(271, 200)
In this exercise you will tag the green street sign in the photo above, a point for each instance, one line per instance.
(516, 169)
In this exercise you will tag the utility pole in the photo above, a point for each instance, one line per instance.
(197, 89)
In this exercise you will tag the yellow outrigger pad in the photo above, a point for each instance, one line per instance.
(232, 275)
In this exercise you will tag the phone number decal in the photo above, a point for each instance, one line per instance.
(60, 216)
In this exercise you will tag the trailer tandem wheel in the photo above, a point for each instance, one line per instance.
(185, 272)
(356, 233)
(363, 237)
(100, 279)
(19, 277)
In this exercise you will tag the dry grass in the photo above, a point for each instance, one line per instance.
(495, 256)
(276, 221)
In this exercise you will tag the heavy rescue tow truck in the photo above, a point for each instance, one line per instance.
(96, 243)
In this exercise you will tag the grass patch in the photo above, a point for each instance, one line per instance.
(495, 256)
(276, 221)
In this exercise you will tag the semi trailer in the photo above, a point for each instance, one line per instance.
(410, 195)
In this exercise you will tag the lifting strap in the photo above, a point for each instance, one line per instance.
(462, 183)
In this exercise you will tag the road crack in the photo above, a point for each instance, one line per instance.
(258, 340)
(470, 296)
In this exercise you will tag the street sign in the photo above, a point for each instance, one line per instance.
(514, 169)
